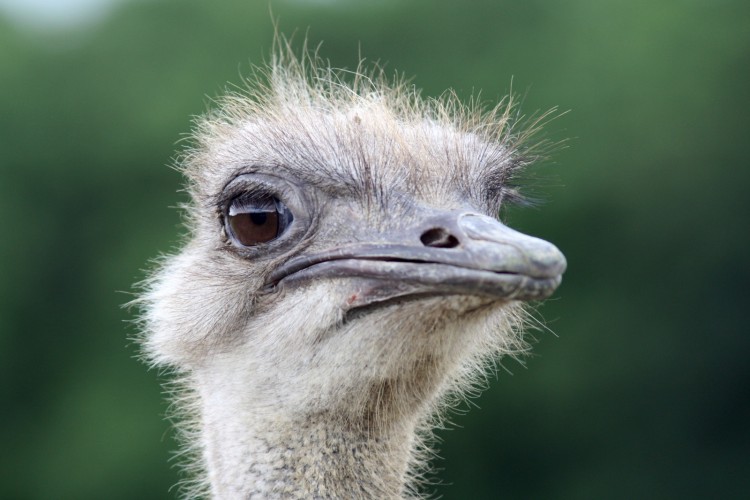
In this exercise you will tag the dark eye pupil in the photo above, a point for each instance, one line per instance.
(259, 218)
(253, 221)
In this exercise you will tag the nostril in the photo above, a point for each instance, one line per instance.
(438, 237)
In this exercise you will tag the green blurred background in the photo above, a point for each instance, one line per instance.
(644, 391)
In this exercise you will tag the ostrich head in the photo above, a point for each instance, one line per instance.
(345, 271)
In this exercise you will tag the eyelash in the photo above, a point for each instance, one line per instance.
(242, 189)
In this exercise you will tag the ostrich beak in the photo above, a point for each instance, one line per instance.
(451, 253)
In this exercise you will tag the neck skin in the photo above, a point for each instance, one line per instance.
(321, 424)
(252, 456)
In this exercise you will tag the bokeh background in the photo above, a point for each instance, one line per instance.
(643, 390)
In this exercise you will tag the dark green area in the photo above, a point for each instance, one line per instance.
(644, 391)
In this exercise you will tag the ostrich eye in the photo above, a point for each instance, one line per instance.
(253, 219)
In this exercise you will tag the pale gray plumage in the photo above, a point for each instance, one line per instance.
(312, 365)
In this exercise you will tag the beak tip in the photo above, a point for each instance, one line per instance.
(553, 262)
(544, 259)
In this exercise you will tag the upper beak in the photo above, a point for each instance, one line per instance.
(448, 253)
(492, 246)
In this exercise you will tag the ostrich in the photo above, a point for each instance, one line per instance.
(345, 277)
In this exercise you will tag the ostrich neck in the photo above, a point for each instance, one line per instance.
(251, 454)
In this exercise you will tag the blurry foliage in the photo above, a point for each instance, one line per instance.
(643, 392)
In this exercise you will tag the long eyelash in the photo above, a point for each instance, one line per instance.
(250, 202)
(223, 200)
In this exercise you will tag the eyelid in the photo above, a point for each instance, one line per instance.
(250, 203)
(250, 184)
